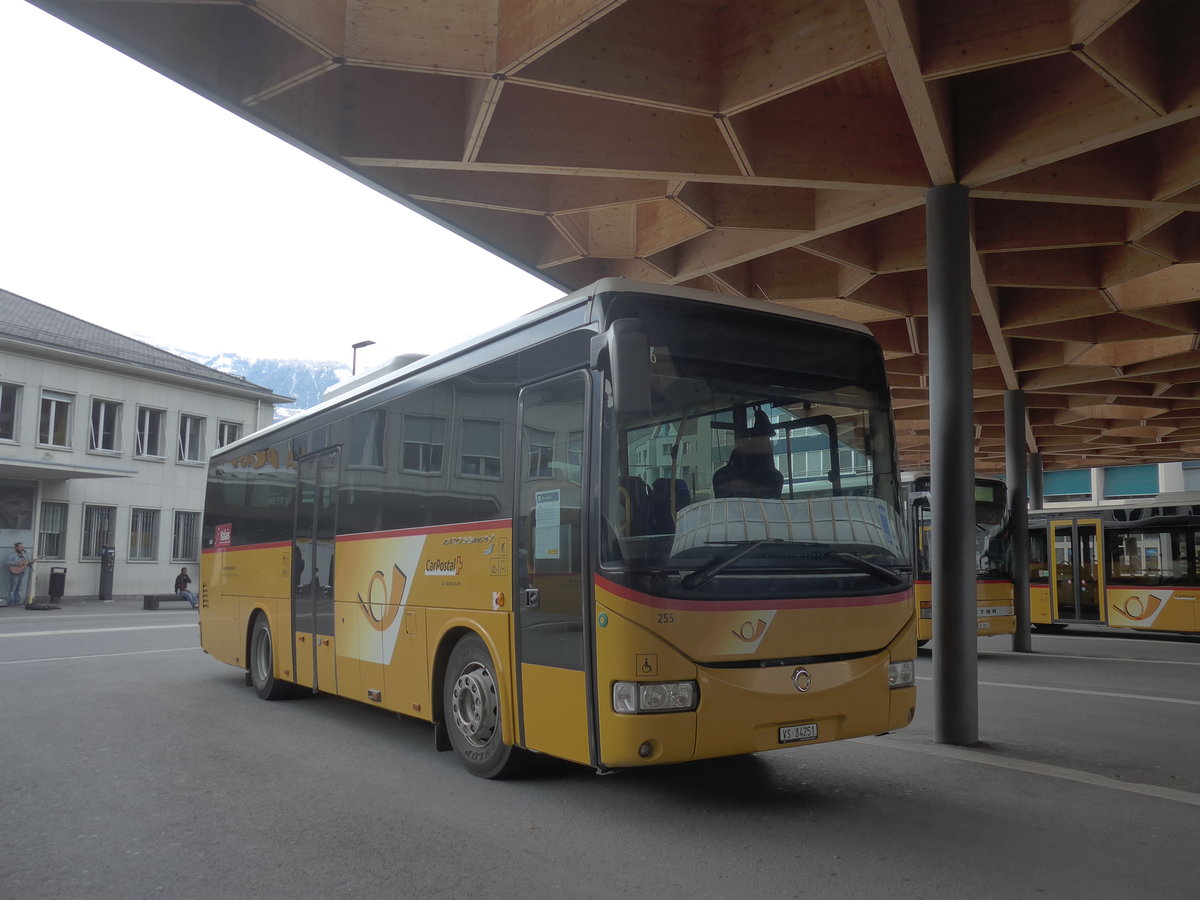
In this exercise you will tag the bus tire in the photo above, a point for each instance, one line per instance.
(262, 663)
(471, 710)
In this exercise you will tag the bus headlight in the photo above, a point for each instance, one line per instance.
(902, 674)
(633, 697)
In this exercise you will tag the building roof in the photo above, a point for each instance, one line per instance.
(34, 326)
(781, 151)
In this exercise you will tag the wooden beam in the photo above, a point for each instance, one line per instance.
(1022, 307)
(454, 38)
(525, 30)
(960, 36)
(833, 136)
(321, 26)
(1177, 284)
(928, 105)
(664, 60)
(1127, 57)
(1011, 225)
(775, 47)
(543, 128)
(482, 95)
(1078, 268)
(1013, 123)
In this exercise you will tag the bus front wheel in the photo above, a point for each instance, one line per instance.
(262, 663)
(471, 709)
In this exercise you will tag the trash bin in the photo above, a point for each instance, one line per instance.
(58, 582)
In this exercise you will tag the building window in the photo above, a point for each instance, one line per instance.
(143, 534)
(541, 452)
(10, 395)
(366, 439)
(227, 433)
(150, 432)
(106, 426)
(185, 538)
(575, 457)
(424, 442)
(52, 531)
(481, 442)
(54, 426)
(98, 522)
(191, 438)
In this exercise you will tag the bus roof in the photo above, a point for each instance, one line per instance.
(403, 367)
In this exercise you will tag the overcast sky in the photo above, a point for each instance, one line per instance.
(131, 202)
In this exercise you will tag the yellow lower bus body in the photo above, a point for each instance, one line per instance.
(1145, 608)
(994, 609)
(396, 617)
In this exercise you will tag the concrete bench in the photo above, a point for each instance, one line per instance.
(151, 601)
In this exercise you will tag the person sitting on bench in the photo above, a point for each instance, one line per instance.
(182, 580)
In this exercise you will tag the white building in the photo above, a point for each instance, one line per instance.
(104, 442)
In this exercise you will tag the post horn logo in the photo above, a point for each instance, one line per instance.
(750, 631)
(382, 605)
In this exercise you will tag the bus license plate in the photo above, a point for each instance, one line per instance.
(789, 734)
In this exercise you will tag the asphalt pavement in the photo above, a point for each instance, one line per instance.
(133, 765)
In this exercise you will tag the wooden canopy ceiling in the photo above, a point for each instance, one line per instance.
(780, 150)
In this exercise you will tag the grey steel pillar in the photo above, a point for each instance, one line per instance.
(952, 466)
(1037, 482)
(1014, 467)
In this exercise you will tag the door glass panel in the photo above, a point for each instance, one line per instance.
(312, 560)
(1064, 572)
(1089, 575)
(550, 524)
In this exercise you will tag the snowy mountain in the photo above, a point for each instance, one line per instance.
(306, 380)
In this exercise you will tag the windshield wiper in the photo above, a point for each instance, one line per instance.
(892, 576)
(714, 567)
(718, 564)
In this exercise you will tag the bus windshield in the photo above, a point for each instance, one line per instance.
(766, 457)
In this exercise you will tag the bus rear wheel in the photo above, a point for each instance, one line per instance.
(471, 709)
(262, 663)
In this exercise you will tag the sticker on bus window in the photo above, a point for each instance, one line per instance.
(223, 535)
(547, 515)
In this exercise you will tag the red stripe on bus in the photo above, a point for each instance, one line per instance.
(724, 606)
(433, 529)
(272, 545)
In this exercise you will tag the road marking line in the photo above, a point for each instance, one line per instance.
(1078, 690)
(991, 758)
(17, 662)
(14, 634)
(1164, 662)
(1062, 690)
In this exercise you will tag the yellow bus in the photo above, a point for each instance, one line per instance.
(1126, 565)
(570, 537)
(994, 606)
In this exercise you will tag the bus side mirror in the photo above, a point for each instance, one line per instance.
(628, 352)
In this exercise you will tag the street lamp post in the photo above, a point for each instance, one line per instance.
(354, 358)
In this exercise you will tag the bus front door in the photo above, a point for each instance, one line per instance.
(552, 592)
(312, 571)
(1077, 580)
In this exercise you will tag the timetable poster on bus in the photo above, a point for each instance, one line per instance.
(548, 513)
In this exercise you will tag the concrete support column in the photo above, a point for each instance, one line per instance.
(1014, 467)
(952, 466)
(1037, 482)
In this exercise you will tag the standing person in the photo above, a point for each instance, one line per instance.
(182, 580)
(18, 574)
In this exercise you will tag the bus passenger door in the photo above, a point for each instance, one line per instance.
(312, 570)
(552, 592)
(1077, 582)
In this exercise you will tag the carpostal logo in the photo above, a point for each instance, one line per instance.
(444, 566)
